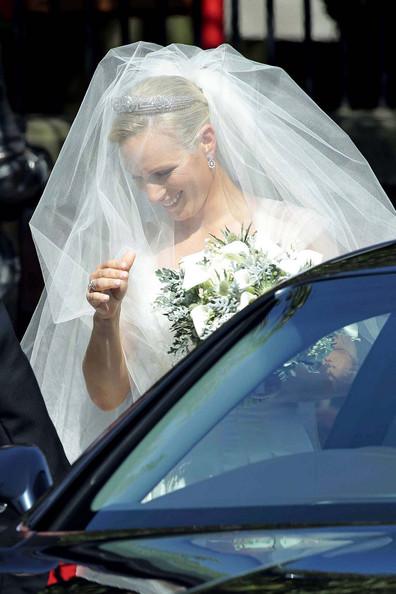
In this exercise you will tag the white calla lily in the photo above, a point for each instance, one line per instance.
(299, 261)
(242, 279)
(311, 257)
(195, 272)
(235, 249)
(269, 247)
(200, 315)
(245, 299)
(220, 265)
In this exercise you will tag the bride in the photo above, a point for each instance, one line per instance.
(172, 144)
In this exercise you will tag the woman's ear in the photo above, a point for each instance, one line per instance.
(207, 141)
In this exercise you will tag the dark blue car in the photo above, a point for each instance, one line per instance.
(264, 462)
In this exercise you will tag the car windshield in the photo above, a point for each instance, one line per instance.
(301, 410)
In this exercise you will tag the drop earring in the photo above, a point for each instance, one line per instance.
(211, 163)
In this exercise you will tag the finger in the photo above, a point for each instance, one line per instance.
(97, 299)
(128, 260)
(117, 264)
(107, 284)
(109, 273)
(123, 263)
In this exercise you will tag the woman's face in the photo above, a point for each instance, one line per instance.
(172, 177)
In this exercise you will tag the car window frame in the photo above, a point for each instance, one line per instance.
(167, 392)
(110, 487)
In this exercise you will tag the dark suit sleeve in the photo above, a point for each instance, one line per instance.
(23, 415)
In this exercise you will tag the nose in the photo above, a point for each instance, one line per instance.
(155, 192)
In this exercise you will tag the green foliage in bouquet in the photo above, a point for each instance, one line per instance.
(214, 284)
(175, 302)
(210, 287)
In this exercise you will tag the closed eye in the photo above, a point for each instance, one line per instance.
(157, 176)
(160, 175)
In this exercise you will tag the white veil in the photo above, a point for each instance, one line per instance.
(310, 186)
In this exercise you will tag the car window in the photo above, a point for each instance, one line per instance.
(284, 416)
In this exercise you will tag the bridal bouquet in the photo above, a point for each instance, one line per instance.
(214, 284)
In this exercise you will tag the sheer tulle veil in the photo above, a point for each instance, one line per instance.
(290, 160)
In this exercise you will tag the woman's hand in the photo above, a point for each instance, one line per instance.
(108, 286)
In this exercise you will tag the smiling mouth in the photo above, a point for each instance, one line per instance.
(172, 201)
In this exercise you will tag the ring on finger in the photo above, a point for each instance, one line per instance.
(91, 286)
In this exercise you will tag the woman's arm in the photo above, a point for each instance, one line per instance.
(104, 365)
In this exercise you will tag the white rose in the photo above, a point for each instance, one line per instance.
(300, 261)
(200, 315)
(242, 279)
(245, 299)
(195, 272)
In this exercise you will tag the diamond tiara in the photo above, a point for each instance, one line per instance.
(151, 105)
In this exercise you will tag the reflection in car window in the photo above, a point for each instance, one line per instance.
(289, 412)
(262, 414)
(323, 373)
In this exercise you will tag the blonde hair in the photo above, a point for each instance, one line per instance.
(183, 124)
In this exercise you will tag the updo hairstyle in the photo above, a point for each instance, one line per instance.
(183, 124)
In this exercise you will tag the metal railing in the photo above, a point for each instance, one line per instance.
(373, 42)
(155, 29)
